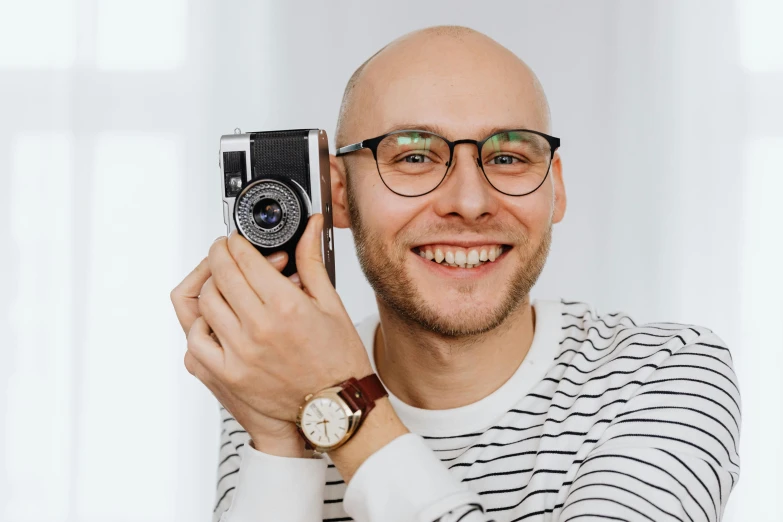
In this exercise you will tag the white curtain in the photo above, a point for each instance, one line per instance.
(110, 114)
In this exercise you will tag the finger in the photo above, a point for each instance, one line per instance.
(295, 280)
(184, 297)
(218, 313)
(232, 284)
(278, 260)
(262, 277)
(310, 262)
(196, 369)
(204, 348)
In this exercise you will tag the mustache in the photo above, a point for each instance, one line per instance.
(513, 235)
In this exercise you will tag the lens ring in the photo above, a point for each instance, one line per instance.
(290, 219)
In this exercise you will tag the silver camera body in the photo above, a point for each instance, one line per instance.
(272, 182)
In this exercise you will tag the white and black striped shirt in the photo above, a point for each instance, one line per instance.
(604, 419)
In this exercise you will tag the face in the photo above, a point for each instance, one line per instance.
(465, 220)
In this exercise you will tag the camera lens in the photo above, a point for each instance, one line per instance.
(267, 213)
(270, 212)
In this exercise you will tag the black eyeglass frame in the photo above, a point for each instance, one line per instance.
(372, 144)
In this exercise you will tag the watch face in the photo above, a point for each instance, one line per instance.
(324, 421)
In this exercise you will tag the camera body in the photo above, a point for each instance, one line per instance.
(271, 183)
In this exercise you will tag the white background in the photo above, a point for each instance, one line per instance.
(671, 120)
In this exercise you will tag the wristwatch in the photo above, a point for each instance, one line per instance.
(329, 418)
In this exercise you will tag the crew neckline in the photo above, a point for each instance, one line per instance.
(479, 415)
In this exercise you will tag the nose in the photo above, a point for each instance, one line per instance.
(465, 192)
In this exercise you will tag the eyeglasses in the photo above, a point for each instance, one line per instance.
(414, 162)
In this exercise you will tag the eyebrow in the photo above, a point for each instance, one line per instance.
(436, 129)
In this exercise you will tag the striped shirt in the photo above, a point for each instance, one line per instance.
(604, 419)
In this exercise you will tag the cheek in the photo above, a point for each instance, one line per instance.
(384, 214)
(533, 212)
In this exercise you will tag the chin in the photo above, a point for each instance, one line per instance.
(455, 315)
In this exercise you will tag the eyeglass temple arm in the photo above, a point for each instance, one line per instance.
(349, 148)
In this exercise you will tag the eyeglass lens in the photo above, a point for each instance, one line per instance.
(414, 163)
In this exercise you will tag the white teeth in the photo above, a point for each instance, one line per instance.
(461, 258)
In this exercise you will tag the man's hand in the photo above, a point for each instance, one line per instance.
(277, 437)
(185, 296)
(276, 342)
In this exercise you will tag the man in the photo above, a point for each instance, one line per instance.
(485, 406)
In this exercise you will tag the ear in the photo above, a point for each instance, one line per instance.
(559, 186)
(340, 216)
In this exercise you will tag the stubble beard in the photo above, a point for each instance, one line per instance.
(386, 273)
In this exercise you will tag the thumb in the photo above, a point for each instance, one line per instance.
(310, 262)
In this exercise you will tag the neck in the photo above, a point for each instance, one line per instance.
(431, 372)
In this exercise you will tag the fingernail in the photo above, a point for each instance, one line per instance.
(316, 230)
(219, 238)
(295, 279)
(276, 257)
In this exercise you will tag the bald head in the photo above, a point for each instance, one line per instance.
(423, 74)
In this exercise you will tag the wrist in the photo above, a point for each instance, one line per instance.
(380, 427)
(291, 448)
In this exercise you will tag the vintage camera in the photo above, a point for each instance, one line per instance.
(272, 182)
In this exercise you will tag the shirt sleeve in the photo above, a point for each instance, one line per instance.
(671, 454)
(254, 486)
(384, 488)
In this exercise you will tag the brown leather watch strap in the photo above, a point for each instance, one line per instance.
(361, 394)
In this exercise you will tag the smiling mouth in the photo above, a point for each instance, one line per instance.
(472, 257)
